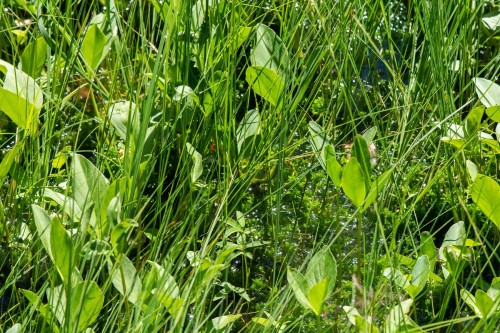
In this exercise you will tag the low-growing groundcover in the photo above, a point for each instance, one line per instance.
(249, 166)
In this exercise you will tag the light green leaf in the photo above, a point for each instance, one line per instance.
(93, 46)
(419, 276)
(493, 113)
(377, 187)
(333, 167)
(362, 154)
(86, 304)
(322, 266)
(16, 328)
(319, 140)
(485, 192)
(21, 98)
(125, 118)
(428, 248)
(88, 184)
(364, 325)
(33, 57)
(317, 296)
(369, 135)
(43, 226)
(197, 168)
(472, 169)
(221, 322)
(473, 122)
(491, 21)
(300, 286)
(269, 51)
(7, 160)
(266, 83)
(125, 279)
(397, 317)
(249, 126)
(487, 91)
(62, 250)
(353, 182)
(470, 301)
(456, 235)
(484, 303)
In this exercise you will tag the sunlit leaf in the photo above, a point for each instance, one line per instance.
(197, 168)
(269, 51)
(33, 57)
(485, 192)
(125, 279)
(484, 303)
(353, 182)
(317, 296)
(248, 127)
(300, 286)
(21, 98)
(221, 322)
(62, 250)
(419, 276)
(487, 91)
(93, 46)
(266, 83)
(333, 167)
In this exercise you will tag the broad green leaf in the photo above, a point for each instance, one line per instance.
(266, 83)
(317, 296)
(107, 24)
(491, 21)
(369, 135)
(43, 226)
(198, 12)
(242, 36)
(470, 301)
(353, 182)
(221, 322)
(249, 126)
(300, 286)
(428, 248)
(56, 300)
(71, 208)
(484, 303)
(93, 46)
(62, 250)
(33, 57)
(86, 304)
(487, 91)
(16, 328)
(397, 317)
(21, 98)
(125, 118)
(88, 184)
(319, 140)
(364, 325)
(322, 266)
(269, 51)
(362, 154)
(419, 276)
(485, 192)
(7, 160)
(377, 187)
(493, 113)
(454, 236)
(187, 95)
(472, 169)
(197, 168)
(473, 121)
(37, 304)
(125, 279)
(397, 276)
(494, 291)
(333, 167)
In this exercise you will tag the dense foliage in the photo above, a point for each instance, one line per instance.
(249, 166)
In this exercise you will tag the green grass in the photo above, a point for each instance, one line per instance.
(165, 214)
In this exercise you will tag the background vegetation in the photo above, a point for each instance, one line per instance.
(249, 166)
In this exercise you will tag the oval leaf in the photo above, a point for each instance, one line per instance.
(266, 83)
(353, 182)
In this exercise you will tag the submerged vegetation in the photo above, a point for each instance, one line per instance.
(249, 166)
